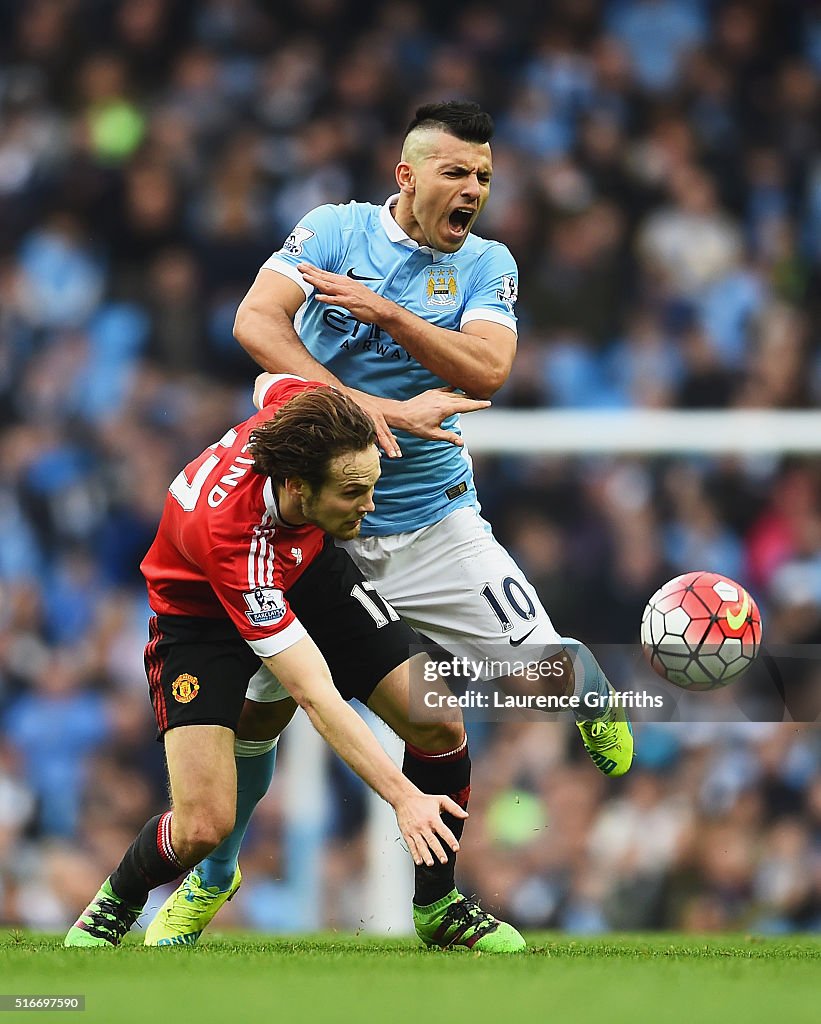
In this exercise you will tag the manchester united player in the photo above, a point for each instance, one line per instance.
(242, 569)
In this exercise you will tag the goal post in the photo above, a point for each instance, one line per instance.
(642, 432)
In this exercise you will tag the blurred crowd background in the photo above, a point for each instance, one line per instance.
(658, 177)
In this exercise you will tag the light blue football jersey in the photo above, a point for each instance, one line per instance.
(479, 282)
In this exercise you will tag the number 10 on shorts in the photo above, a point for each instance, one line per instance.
(515, 597)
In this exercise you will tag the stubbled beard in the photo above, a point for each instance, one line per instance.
(307, 509)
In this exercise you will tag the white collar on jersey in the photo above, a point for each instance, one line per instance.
(397, 234)
(270, 498)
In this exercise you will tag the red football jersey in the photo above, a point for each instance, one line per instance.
(222, 548)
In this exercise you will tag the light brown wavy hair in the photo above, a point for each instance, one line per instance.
(307, 433)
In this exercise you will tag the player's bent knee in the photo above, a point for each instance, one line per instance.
(201, 833)
(436, 737)
(206, 838)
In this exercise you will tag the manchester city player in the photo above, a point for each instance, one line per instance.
(402, 306)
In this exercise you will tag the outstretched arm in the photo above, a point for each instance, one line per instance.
(303, 672)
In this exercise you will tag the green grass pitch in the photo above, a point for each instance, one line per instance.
(660, 978)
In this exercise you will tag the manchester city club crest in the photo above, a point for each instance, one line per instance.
(441, 287)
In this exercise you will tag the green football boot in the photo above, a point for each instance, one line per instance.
(457, 921)
(104, 921)
(188, 911)
(609, 740)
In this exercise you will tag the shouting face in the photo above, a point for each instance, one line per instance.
(444, 183)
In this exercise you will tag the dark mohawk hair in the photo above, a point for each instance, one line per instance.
(467, 121)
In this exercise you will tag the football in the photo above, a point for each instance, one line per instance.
(700, 630)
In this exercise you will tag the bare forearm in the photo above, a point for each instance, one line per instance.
(264, 327)
(303, 672)
(345, 731)
(468, 363)
(270, 339)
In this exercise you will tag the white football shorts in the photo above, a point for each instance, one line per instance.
(455, 584)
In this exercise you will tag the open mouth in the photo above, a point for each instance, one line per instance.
(460, 218)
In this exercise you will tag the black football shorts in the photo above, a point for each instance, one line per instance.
(198, 669)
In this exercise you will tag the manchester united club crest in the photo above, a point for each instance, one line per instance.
(185, 688)
(441, 287)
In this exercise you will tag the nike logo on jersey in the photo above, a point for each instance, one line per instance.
(521, 640)
(358, 277)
